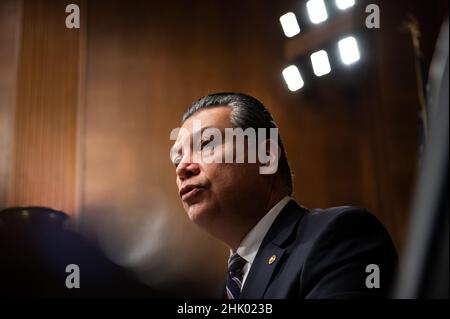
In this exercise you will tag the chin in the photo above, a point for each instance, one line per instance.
(199, 214)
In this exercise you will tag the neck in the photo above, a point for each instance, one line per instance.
(242, 228)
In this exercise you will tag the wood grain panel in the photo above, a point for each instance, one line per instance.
(10, 13)
(46, 110)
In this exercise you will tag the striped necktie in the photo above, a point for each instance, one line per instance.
(234, 276)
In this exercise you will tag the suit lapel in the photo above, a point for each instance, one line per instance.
(261, 272)
(271, 251)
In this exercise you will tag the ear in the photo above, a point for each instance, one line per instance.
(271, 153)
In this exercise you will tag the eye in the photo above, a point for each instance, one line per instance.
(176, 161)
(176, 154)
(205, 143)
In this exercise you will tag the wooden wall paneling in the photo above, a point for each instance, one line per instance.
(10, 22)
(46, 111)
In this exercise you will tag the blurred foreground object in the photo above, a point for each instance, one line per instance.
(425, 265)
(36, 248)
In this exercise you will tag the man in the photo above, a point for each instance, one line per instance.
(279, 249)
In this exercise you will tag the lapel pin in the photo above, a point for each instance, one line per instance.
(271, 259)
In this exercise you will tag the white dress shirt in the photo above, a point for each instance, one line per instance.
(251, 242)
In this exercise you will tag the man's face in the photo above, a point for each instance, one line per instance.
(213, 192)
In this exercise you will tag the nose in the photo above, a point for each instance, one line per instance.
(187, 170)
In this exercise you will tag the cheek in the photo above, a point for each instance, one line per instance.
(232, 177)
(178, 182)
(218, 178)
(218, 173)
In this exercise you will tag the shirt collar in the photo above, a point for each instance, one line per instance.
(251, 242)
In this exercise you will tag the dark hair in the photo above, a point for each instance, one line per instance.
(247, 112)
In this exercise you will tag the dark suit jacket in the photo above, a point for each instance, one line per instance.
(321, 254)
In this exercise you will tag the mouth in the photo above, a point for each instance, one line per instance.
(189, 191)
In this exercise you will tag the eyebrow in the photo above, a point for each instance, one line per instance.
(201, 132)
(207, 127)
